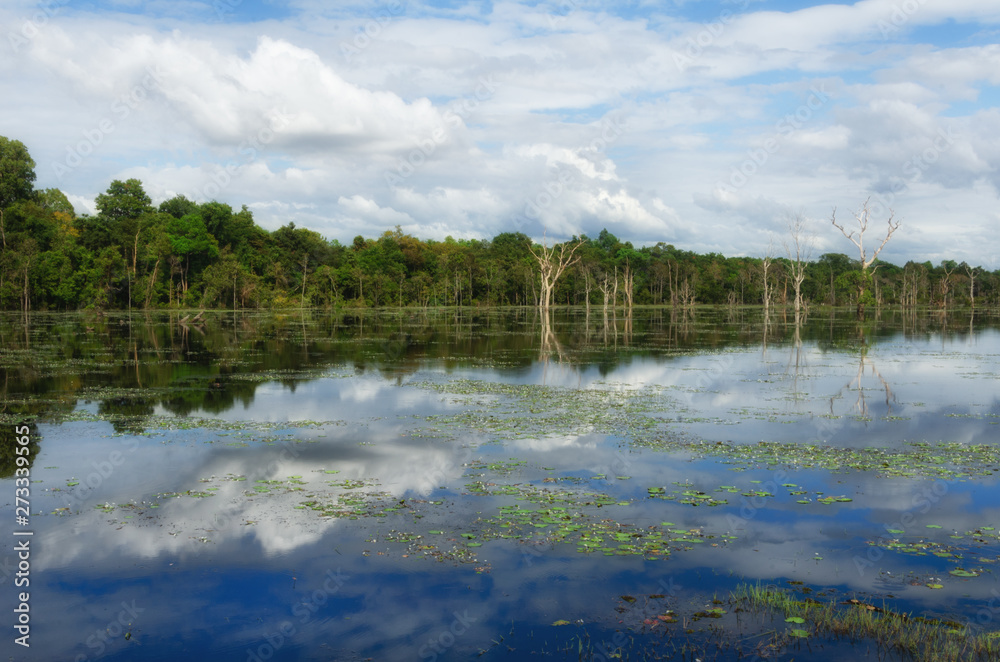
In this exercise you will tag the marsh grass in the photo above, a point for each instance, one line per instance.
(912, 637)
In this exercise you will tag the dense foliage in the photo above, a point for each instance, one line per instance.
(181, 254)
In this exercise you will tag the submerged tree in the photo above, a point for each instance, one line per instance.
(798, 253)
(973, 273)
(184, 253)
(765, 278)
(551, 267)
(857, 237)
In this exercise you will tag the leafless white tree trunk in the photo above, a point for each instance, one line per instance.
(946, 283)
(798, 252)
(973, 272)
(551, 266)
(857, 237)
(606, 292)
(765, 267)
(628, 282)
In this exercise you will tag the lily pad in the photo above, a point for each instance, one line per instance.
(958, 572)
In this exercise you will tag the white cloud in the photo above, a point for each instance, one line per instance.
(454, 121)
(834, 137)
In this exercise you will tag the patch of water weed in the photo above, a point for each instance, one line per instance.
(499, 467)
(692, 496)
(500, 411)
(978, 546)
(944, 460)
(660, 626)
(232, 433)
(573, 517)
(911, 636)
(274, 375)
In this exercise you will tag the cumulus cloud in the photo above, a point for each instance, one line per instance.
(470, 121)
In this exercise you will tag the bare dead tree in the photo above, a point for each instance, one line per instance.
(765, 267)
(857, 237)
(614, 290)
(588, 284)
(551, 266)
(745, 277)
(687, 294)
(628, 284)
(914, 281)
(946, 283)
(305, 274)
(606, 288)
(673, 280)
(973, 272)
(798, 253)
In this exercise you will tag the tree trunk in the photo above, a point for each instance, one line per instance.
(152, 282)
(305, 273)
(551, 267)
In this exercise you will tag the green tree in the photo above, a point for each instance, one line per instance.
(124, 201)
(829, 269)
(192, 244)
(54, 200)
(105, 277)
(178, 206)
(227, 282)
(17, 178)
(128, 213)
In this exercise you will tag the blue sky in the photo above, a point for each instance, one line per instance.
(708, 125)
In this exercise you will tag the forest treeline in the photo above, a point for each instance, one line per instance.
(182, 254)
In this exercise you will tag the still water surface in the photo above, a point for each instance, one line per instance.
(440, 485)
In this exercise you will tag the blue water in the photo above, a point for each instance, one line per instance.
(239, 570)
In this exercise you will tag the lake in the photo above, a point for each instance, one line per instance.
(452, 484)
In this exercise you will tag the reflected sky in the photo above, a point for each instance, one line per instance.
(222, 568)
